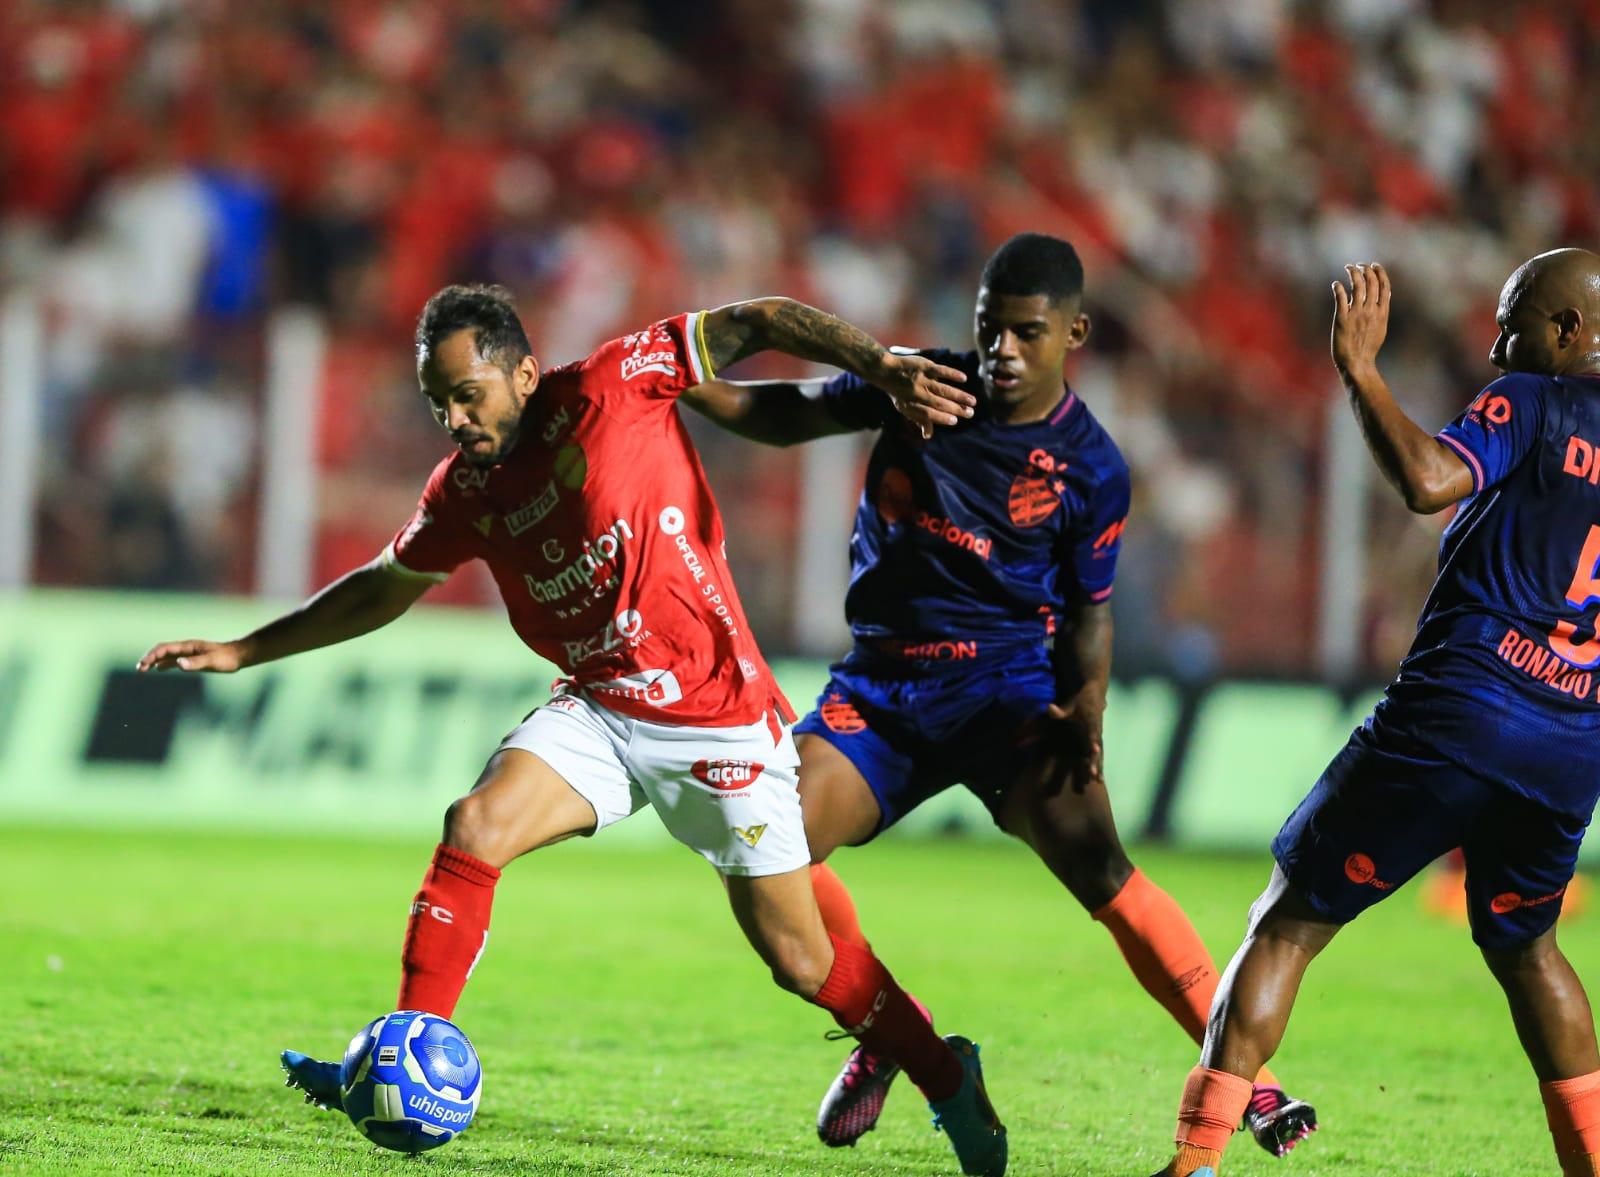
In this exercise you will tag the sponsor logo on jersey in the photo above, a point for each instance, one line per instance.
(671, 521)
(942, 651)
(597, 553)
(658, 688)
(727, 776)
(553, 551)
(1490, 409)
(625, 631)
(652, 361)
(483, 523)
(952, 534)
(1509, 901)
(894, 499)
(1581, 461)
(1036, 492)
(533, 510)
(1360, 869)
(750, 835)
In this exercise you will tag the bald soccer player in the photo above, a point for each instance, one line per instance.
(1489, 737)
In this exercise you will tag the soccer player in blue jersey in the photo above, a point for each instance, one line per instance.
(1489, 737)
(982, 564)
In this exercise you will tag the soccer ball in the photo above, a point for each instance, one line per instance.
(411, 1081)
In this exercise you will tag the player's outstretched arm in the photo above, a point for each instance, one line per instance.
(1428, 475)
(924, 392)
(356, 603)
(773, 412)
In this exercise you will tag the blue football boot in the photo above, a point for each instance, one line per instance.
(319, 1080)
(968, 1118)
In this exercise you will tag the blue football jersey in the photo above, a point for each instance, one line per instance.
(969, 545)
(1504, 674)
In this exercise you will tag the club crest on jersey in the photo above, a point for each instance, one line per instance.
(1036, 492)
(726, 776)
(533, 510)
(841, 716)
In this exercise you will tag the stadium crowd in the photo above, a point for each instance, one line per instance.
(173, 171)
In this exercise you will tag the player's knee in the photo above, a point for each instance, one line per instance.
(469, 827)
(798, 968)
(1512, 962)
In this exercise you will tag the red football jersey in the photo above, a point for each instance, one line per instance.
(602, 534)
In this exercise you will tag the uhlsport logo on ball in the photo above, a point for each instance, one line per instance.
(411, 1081)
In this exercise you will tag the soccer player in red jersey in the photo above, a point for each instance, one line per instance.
(581, 490)
(1486, 739)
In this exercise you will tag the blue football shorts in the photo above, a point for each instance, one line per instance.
(913, 735)
(1386, 807)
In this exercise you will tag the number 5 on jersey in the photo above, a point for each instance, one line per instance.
(1584, 591)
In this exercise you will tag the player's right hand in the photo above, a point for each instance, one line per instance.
(922, 392)
(1360, 318)
(194, 654)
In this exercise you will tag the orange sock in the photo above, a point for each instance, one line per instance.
(1213, 1104)
(838, 909)
(1166, 954)
(1572, 1108)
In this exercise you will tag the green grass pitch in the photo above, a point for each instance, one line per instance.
(149, 981)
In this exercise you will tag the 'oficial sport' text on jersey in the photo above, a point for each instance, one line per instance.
(970, 545)
(604, 540)
(1504, 674)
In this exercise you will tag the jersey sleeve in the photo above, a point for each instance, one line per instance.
(1498, 429)
(654, 365)
(432, 544)
(1096, 545)
(855, 404)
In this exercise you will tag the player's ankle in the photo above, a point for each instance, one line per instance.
(1191, 1157)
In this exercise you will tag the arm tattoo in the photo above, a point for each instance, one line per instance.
(791, 327)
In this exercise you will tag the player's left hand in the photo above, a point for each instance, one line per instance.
(1360, 318)
(924, 392)
(1075, 732)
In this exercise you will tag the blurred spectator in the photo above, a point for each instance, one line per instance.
(171, 171)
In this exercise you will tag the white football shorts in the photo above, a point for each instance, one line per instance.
(728, 793)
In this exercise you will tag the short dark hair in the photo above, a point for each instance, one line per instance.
(491, 313)
(1034, 263)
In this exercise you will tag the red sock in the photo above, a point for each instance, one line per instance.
(1572, 1107)
(864, 999)
(838, 909)
(1213, 1104)
(1166, 954)
(447, 932)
